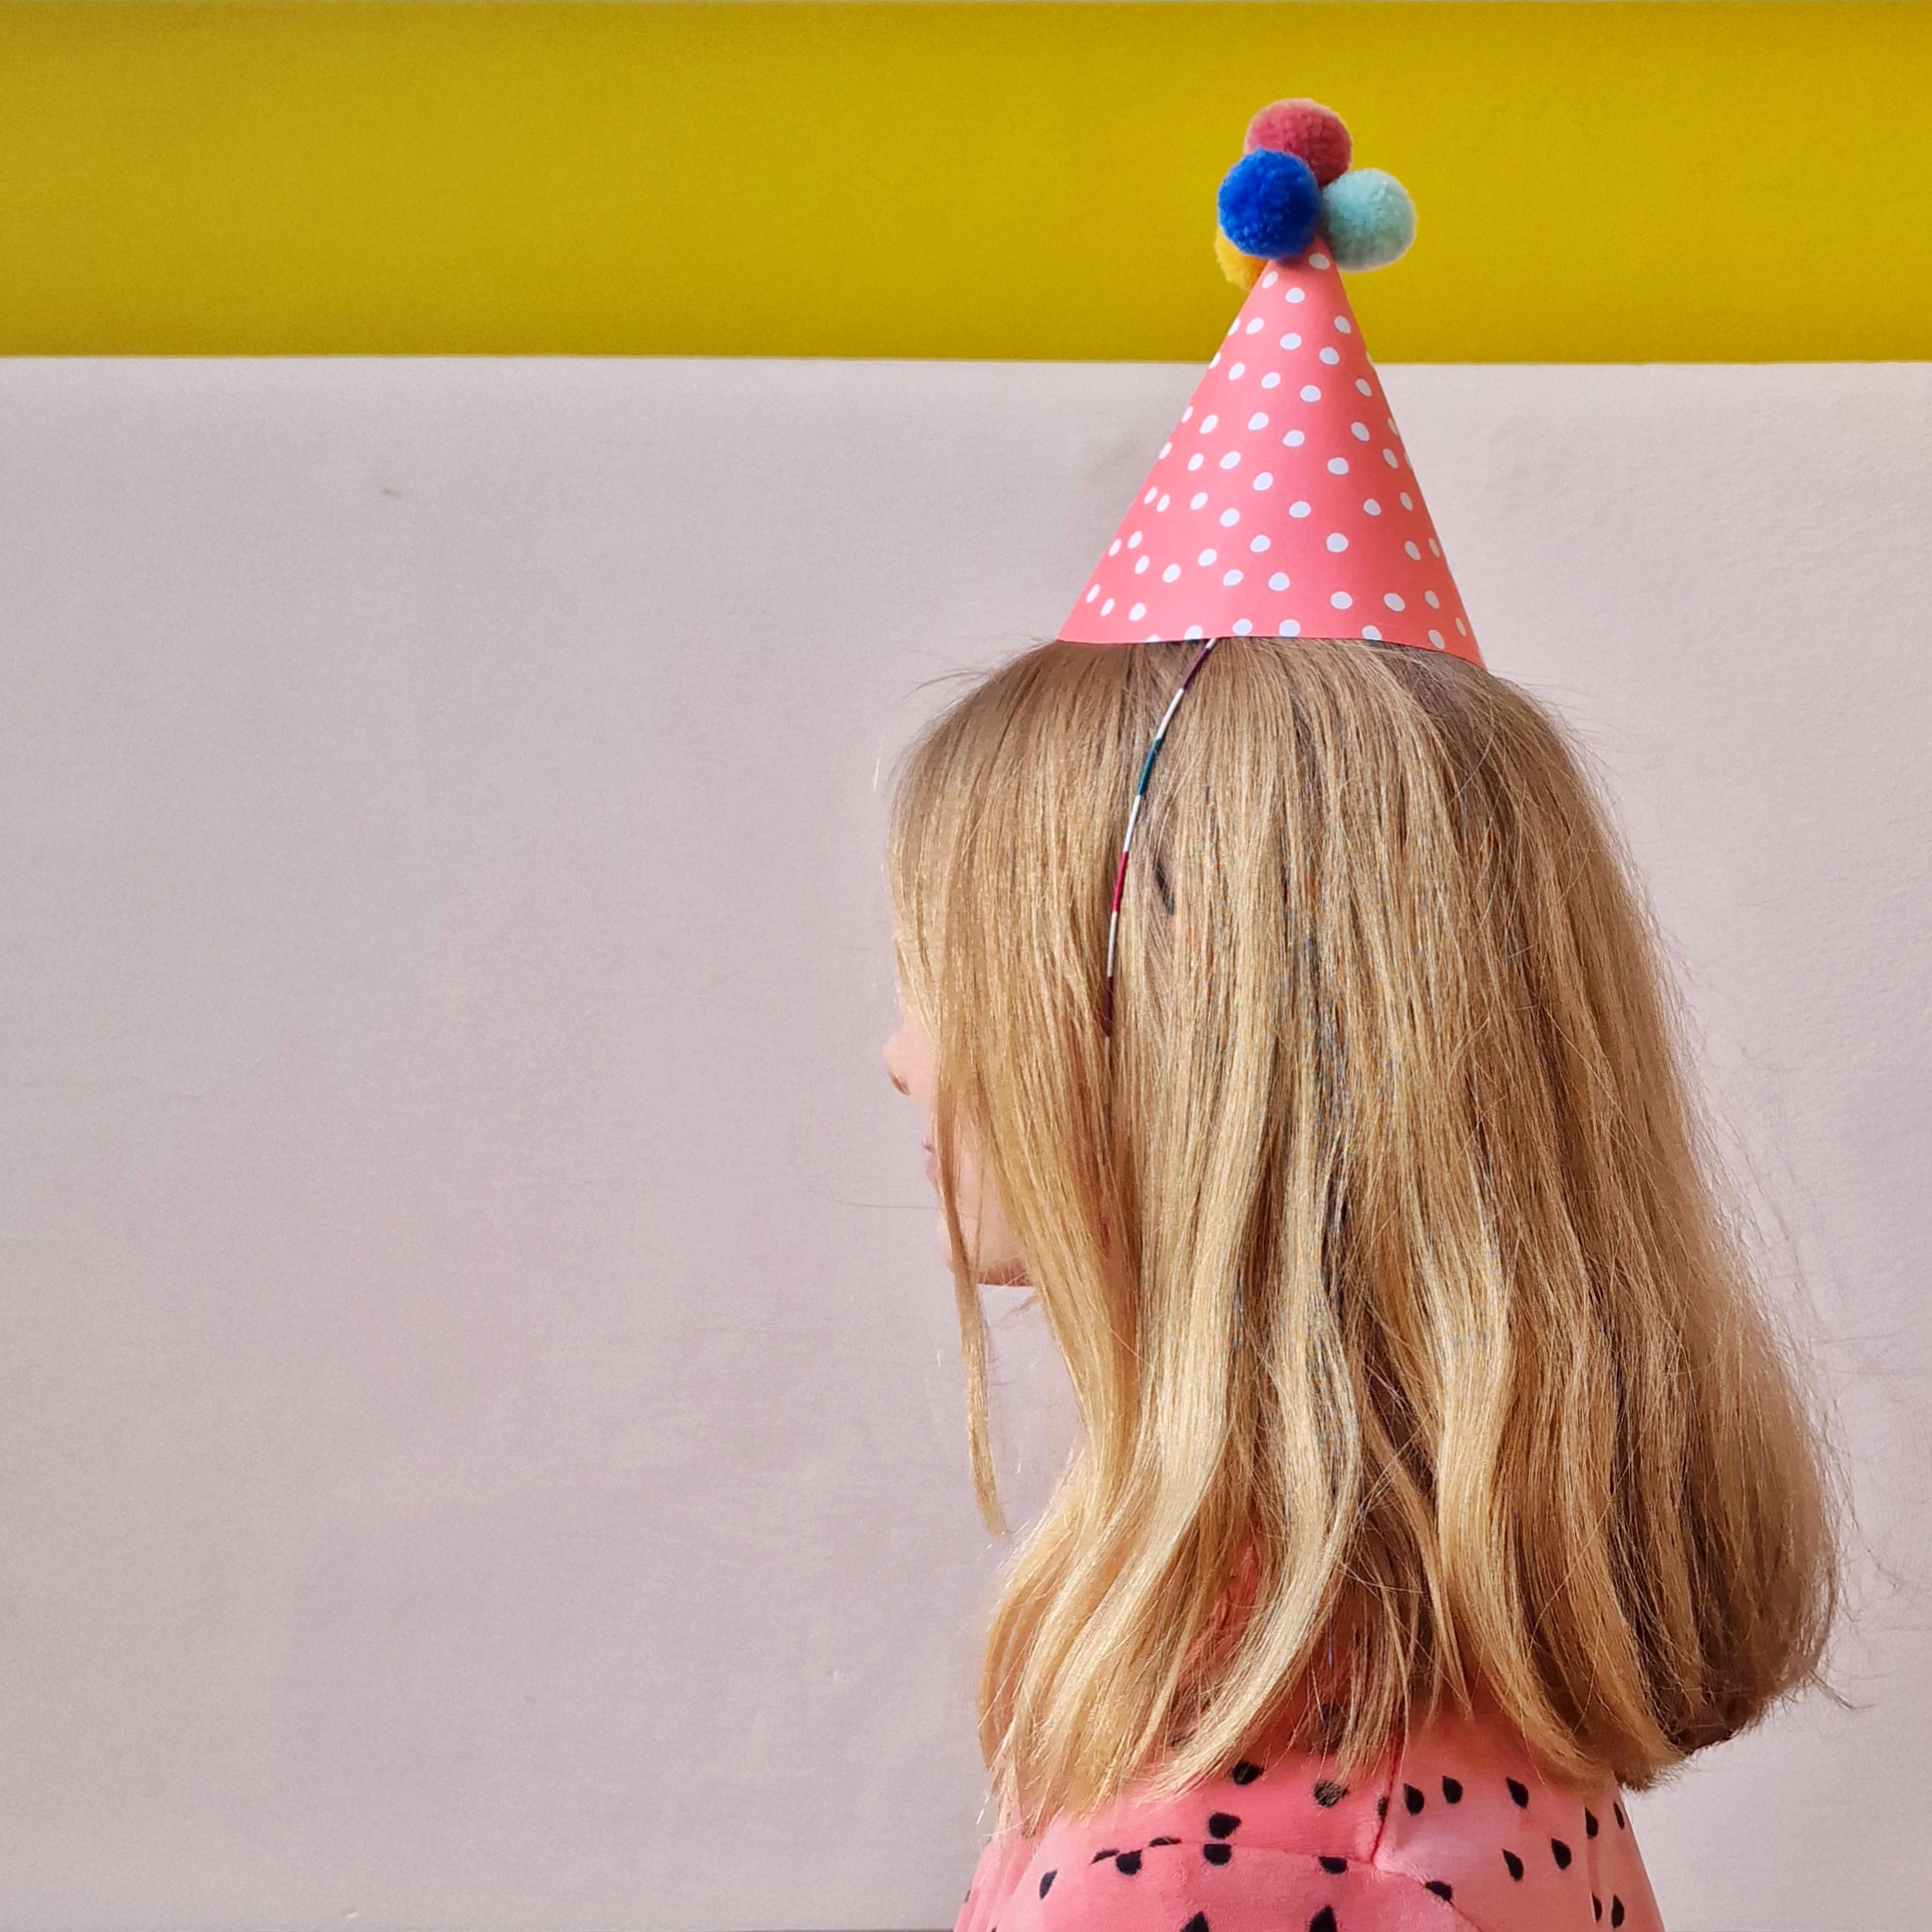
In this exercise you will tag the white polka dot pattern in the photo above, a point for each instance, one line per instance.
(1360, 566)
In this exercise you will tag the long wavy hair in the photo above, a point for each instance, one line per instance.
(1399, 1296)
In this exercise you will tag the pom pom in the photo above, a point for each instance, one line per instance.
(1367, 217)
(1270, 204)
(1306, 129)
(1241, 269)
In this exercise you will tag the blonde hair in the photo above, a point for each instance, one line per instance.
(1381, 1240)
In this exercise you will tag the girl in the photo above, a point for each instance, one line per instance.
(1440, 1475)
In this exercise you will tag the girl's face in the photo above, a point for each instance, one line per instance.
(909, 1062)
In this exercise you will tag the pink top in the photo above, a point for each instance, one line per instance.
(1453, 1831)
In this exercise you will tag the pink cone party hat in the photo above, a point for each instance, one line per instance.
(1283, 504)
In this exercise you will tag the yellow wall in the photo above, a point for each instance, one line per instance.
(1673, 180)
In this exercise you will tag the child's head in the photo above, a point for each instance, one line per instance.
(1378, 1237)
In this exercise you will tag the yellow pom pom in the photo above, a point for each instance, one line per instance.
(1241, 269)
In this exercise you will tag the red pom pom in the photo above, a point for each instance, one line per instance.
(1307, 130)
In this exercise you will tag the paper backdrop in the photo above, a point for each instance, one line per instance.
(479, 1422)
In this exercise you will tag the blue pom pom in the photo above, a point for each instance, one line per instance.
(1367, 217)
(1270, 204)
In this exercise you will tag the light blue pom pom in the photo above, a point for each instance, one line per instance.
(1367, 217)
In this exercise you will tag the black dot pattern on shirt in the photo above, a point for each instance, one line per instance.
(1328, 1793)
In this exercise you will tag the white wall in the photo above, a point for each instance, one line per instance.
(478, 1414)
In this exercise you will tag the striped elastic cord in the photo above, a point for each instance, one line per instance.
(1133, 819)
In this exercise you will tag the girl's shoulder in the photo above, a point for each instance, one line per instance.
(1454, 1829)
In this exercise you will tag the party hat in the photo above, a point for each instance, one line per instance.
(1283, 504)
